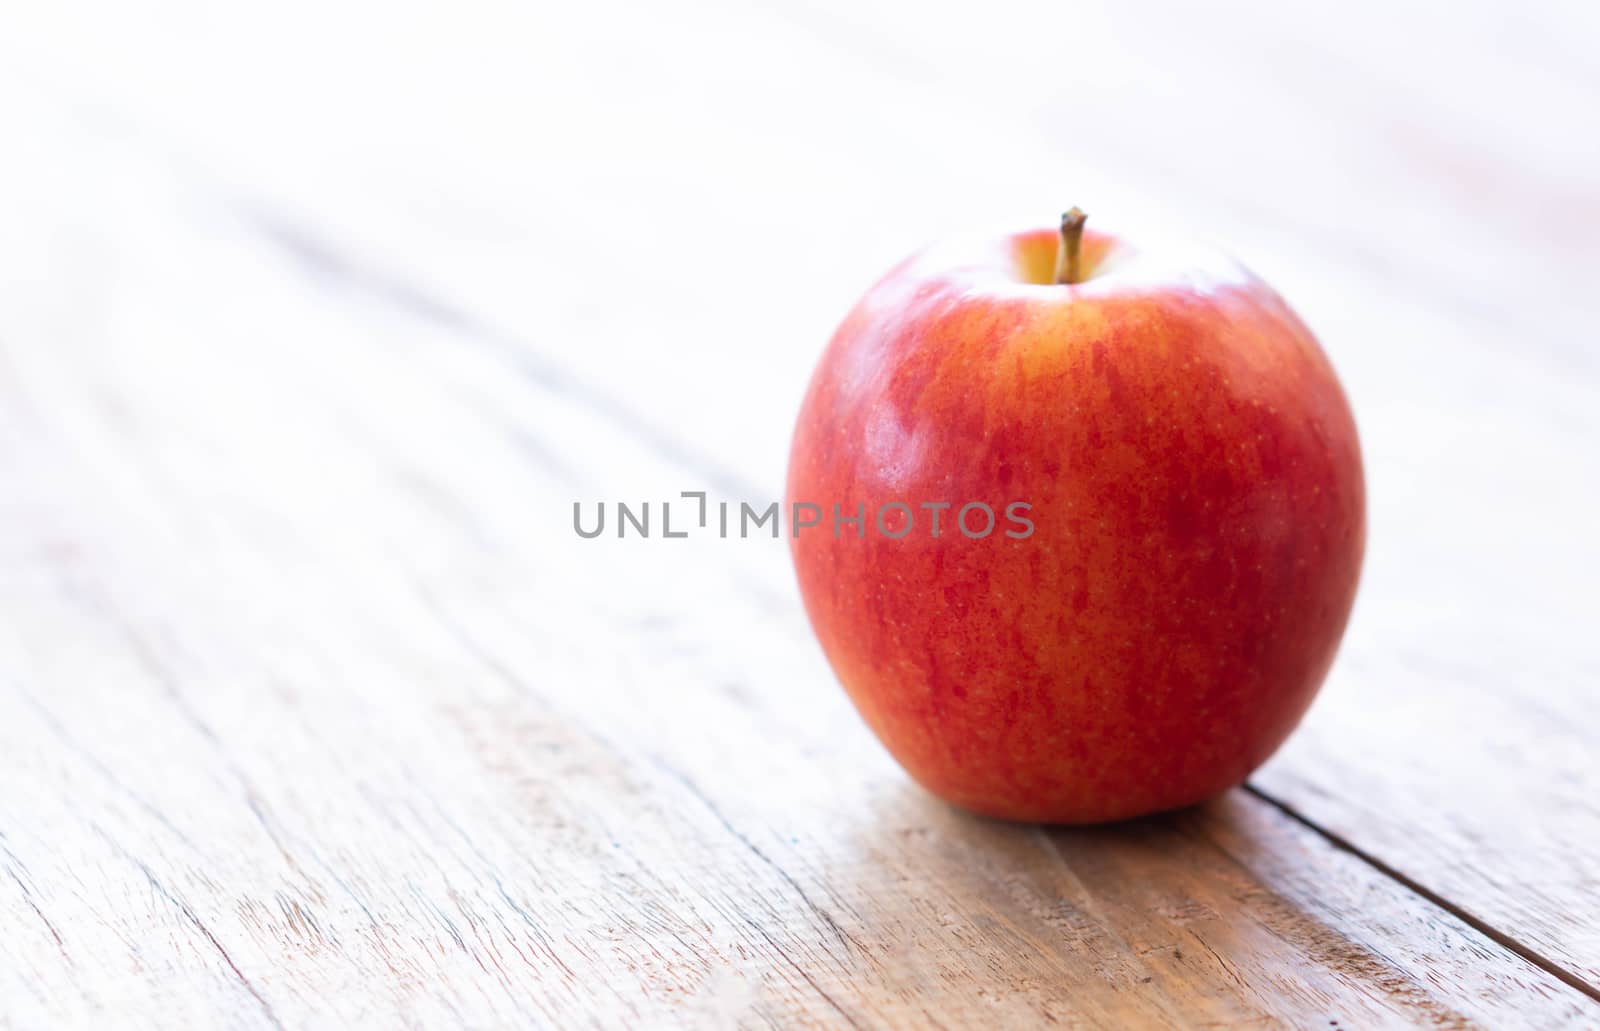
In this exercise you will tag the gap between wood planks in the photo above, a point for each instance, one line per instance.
(326, 261)
(1494, 934)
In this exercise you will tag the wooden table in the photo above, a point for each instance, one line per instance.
(314, 322)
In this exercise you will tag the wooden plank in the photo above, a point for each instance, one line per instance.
(671, 230)
(315, 709)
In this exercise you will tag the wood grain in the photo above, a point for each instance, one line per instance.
(314, 710)
(313, 714)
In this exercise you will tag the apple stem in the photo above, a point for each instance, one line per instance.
(1070, 247)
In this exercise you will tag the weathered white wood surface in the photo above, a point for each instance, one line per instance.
(313, 324)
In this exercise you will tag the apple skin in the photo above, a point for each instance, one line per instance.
(1199, 521)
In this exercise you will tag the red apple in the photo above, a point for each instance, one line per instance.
(1193, 486)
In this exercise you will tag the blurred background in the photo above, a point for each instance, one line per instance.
(543, 163)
